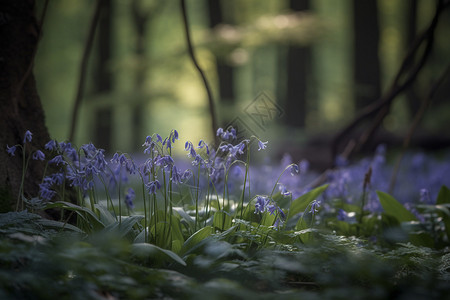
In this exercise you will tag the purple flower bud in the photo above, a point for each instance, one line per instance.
(11, 150)
(27, 137)
(38, 155)
(261, 145)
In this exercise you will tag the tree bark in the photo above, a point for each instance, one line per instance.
(103, 78)
(20, 105)
(366, 59)
(297, 71)
(225, 72)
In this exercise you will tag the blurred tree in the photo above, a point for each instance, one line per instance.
(142, 12)
(19, 102)
(297, 68)
(411, 27)
(224, 69)
(366, 60)
(103, 116)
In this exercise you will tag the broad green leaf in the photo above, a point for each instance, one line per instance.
(222, 220)
(149, 251)
(268, 219)
(302, 202)
(394, 208)
(196, 238)
(124, 227)
(58, 225)
(105, 215)
(163, 233)
(85, 213)
(443, 196)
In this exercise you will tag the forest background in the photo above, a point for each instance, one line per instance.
(292, 72)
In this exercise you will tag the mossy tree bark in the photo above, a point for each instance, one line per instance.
(20, 104)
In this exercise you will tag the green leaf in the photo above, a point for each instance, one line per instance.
(301, 203)
(222, 220)
(86, 214)
(443, 196)
(195, 239)
(122, 228)
(58, 225)
(149, 251)
(106, 216)
(394, 208)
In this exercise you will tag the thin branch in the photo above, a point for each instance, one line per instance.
(83, 68)
(382, 105)
(417, 118)
(199, 69)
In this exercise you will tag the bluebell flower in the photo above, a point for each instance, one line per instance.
(44, 189)
(159, 138)
(283, 190)
(69, 151)
(189, 147)
(129, 198)
(167, 142)
(27, 137)
(57, 178)
(148, 141)
(202, 144)
(165, 161)
(99, 161)
(186, 175)
(176, 176)
(197, 161)
(11, 150)
(271, 208)
(174, 135)
(89, 149)
(342, 215)
(260, 205)
(38, 155)
(238, 149)
(261, 145)
(57, 160)
(46, 193)
(229, 134)
(152, 186)
(130, 166)
(51, 145)
(294, 169)
(314, 205)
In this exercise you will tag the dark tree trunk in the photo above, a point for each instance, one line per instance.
(103, 78)
(140, 19)
(411, 27)
(225, 71)
(20, 105)
(297, 75)
(366, 60)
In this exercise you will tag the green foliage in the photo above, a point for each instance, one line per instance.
(394, 209)
(301, 203)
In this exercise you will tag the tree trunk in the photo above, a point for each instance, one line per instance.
(297, 71)
(225, 72)
(366, 60)
(20, 106)
(103, 78)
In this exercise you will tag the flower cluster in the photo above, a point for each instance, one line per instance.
(265, 204)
